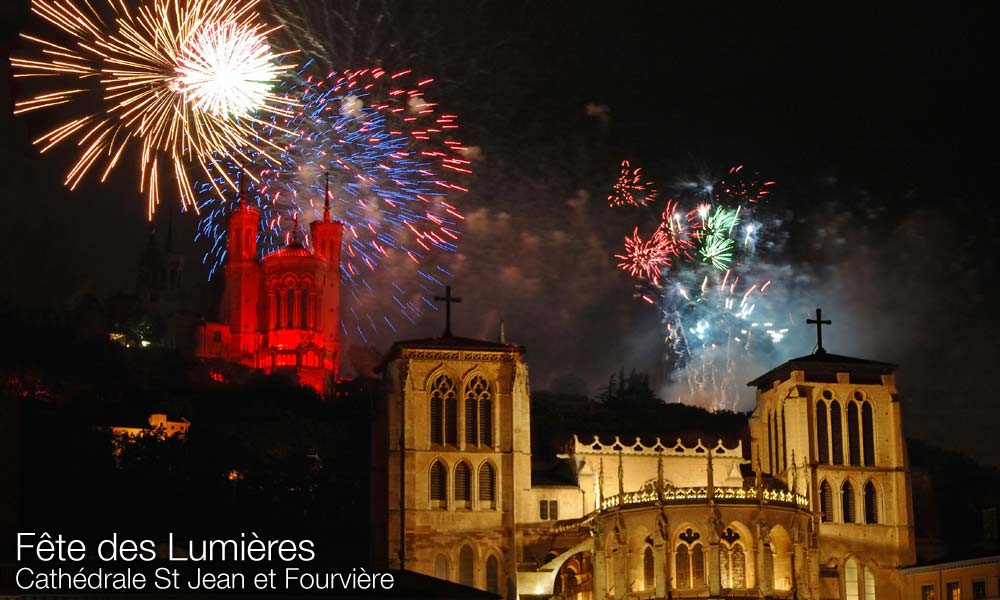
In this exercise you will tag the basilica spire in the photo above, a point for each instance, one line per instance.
(326, 199)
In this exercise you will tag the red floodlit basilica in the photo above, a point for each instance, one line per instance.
(280, 313)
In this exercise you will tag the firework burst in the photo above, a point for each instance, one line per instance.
(392, 165)
(184, 80)
(629, 189)
(697, 268)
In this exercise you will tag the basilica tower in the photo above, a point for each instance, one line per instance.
(242, 282)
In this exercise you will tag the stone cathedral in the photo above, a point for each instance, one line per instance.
(814, 505)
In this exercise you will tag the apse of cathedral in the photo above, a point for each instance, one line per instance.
(280, 313)
(815, 504)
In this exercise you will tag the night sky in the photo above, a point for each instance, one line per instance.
(876, 122)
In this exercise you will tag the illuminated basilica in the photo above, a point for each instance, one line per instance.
(280, 313)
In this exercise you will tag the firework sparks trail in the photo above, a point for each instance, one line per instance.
(629, 189)
(394, 168)
(698, 268)
(183, 80)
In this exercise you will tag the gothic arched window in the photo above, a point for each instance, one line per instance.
(836, 433)
(697, 566)
(826, 502)
(871, 503)
(277, 311)
(689, 561)
(771, 443)
(822, 439)
(304, 308)
(463, 484)
(868, 433)
(853, 441)
(466, 572)
(441, 567)
(290, 309)
(851, 583)
(487, 491)
(870, 584)
(493, 575)
(478, 412)
(439, 485)
(739, 570)
(847, 501)
(443, 424)
(648, 569)
(682, 569)
(784, 447)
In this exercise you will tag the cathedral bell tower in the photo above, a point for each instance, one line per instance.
(830, 426)
(242, 290)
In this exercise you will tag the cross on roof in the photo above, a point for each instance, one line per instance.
(448, 300)
(819, 322)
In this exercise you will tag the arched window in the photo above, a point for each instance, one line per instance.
(471, 415)
(304, 308)
(487, 491)
(697, 566)
(847, 501)
(451, 419)
(870, 584)
(733, 565)
(871, 504)
(443, 425)
(441, 567)
(277, 310)
(466, 573)
(439, 485)
(868, 433)
(463, 484)
(851, 590)
(771, 442)
(784, 447)
(822, 439)
(486, 419)
(478, 413)
(853, 433)
(682, 568)
(826, 502)
(648, 569)
(493, 575)
(290, 309)
(739, 562)
(836, 433)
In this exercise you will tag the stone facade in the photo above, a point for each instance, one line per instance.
(819, 508)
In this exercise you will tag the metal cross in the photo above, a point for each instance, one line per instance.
(819, 322)
(448, 300)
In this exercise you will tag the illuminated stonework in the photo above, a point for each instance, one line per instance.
(282, 313)
(644, 518)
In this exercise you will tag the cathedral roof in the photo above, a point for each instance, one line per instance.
(458, 343)
(447, 343)
(289, 251)
(823, 367)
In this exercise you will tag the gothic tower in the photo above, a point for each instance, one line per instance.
(830, 426)
(451, 459)
(326, 238)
